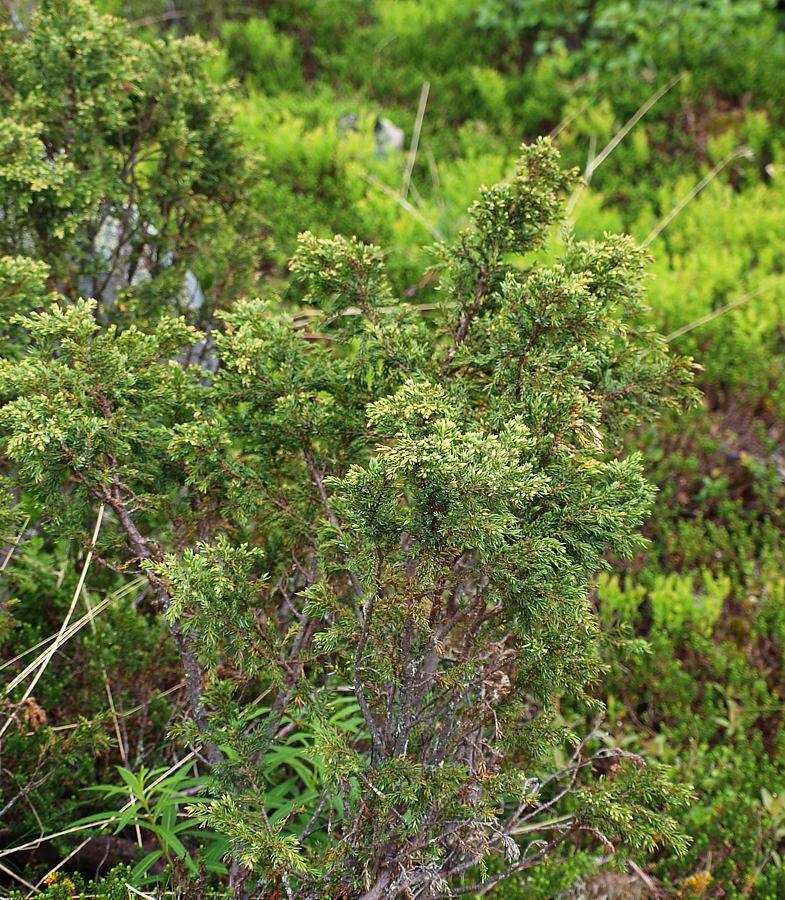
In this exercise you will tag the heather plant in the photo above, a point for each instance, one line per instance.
(363, 500)
(718, 692)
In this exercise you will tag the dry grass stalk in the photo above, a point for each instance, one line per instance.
(407, 175)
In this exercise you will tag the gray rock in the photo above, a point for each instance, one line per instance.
(348, 122)
(389, 137)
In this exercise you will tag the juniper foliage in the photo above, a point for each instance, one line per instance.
(120, 168)
(367, 501)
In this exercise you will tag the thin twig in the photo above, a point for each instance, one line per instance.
(138, 893)
(647, 880)
(115, 719)
(386, 189)
(738, 153)
(61, 863)
(167, 16)
(128, 713)
(53, 649)
(716, 313)
(407, 175)
(568, 120)
(34, 844)
(12, 874)
(72, 629)
(14, 17)
(593, 164)
(14, 545)
(70, 632)
(630, 124)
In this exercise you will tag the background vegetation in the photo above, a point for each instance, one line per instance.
(673, 111)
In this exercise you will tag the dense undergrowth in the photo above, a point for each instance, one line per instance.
(692, 626)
